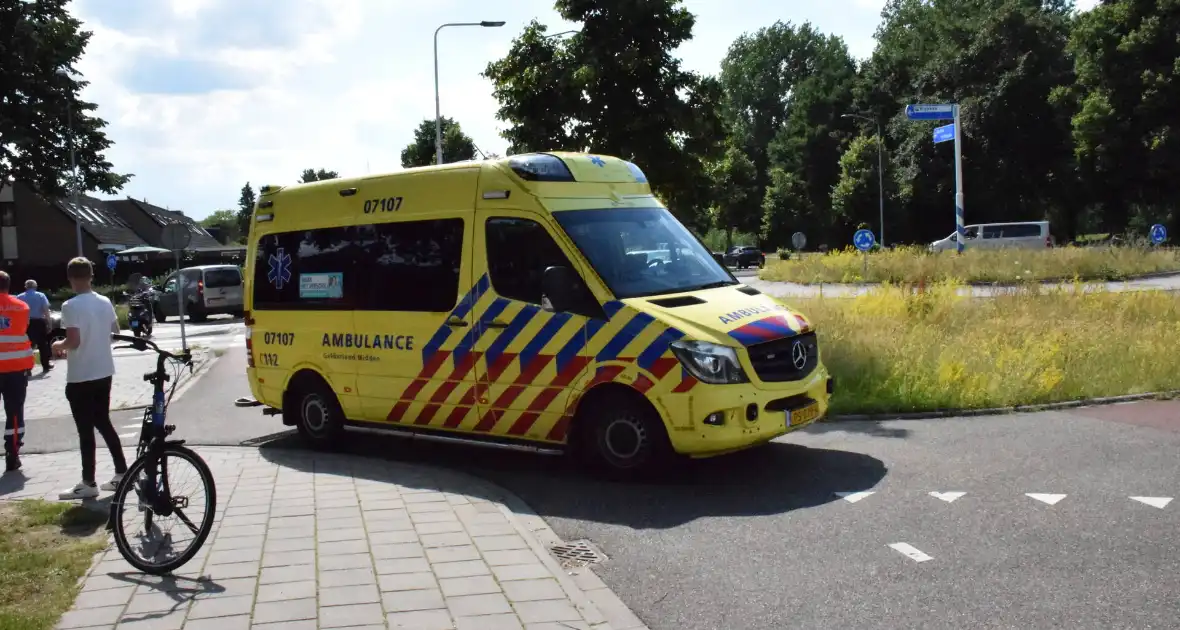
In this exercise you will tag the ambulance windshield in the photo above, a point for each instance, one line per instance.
(643, 251)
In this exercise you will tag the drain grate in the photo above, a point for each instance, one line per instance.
(578, 553)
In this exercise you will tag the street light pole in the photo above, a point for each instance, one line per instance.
(880, 171)
(438, 151)
(73, 165)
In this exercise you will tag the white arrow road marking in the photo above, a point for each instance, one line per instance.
(853, 497)
(910, 552)
(949, 497)
(1051, 499)
(1157, 502)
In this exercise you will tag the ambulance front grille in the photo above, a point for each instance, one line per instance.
(774, 361)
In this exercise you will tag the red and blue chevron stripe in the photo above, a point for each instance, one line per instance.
(766, 329)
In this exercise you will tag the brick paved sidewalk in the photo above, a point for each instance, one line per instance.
(312, 540)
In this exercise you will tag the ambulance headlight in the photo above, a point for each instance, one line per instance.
(709, 362)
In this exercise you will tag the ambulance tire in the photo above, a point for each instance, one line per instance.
(314, 411)
(622, 437)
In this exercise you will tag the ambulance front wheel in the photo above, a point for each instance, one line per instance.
(314, 410)
(621, 435)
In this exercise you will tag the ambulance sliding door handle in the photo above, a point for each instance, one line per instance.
(455, 322)
(495, 324)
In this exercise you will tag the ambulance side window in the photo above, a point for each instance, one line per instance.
(519, 251)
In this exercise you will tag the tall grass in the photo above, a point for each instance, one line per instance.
(892, 350)
(915, 264)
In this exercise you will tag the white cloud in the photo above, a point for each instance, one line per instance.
(336, 84)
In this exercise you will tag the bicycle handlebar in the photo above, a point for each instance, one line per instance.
(141, 344)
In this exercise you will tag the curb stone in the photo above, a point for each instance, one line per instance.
(602, 608)
(588, 592)
(996, 411)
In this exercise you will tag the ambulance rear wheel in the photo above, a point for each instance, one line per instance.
(314, 410)
(622, 436)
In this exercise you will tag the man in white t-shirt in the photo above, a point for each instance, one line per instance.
(89, 320)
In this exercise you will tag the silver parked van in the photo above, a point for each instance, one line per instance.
(1025, 235)
(208, 290)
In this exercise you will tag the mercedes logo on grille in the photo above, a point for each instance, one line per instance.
(799, 355)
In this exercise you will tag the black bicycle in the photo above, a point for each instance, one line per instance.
(154, 485)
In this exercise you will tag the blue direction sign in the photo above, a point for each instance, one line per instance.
(944, 133)
(930, 112)
(863, 239)
(111, 262)
(1159, 234)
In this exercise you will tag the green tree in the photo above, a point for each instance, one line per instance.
(226, 222)
(246, 201)
(457, 146)
(41, 112)
(760, 74)
(312, 175)
(1125, 108)
(1000, 60)
(734, 180)
(615, 88)
(856, 197)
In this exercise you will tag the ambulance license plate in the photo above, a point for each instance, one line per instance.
(803, 415)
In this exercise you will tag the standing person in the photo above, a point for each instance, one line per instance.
(39, 324)
(16, 359)
(89, 320)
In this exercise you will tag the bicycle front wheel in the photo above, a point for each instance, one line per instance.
(164, 509)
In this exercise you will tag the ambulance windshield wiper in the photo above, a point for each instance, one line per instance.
(714, 285)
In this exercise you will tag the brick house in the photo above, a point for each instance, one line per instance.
(38, 234)
(148, 221)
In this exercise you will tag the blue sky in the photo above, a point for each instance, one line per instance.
(202, 96)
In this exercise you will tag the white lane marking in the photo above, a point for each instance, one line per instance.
(1157, 502)
(1051, 499)
(126, 435)
(131, 426)
(910, 552)
(853, 497)
(949, 497)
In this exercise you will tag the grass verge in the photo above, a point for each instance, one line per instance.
(896, 351)
(44, 549)
(1006, 266)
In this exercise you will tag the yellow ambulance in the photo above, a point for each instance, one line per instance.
(545, 301)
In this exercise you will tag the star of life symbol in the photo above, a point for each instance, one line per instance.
(279, 269)
(597, 161)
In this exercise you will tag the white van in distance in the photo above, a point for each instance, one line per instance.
(1023, 235)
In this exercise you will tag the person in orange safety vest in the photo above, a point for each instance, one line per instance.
(16, 360)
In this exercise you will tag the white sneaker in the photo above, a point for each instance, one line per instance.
(111, 485)
(80, 491)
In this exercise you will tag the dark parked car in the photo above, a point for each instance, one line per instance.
(742, 256)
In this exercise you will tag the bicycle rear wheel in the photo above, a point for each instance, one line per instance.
(150, 481)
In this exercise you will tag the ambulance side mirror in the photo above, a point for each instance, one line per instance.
(559, 289)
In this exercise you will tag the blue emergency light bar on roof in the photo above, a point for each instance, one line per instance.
(540, 167)
(543, 167)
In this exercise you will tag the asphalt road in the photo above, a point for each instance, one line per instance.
(763, 539)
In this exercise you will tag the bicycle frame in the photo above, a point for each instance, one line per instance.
(153, 490)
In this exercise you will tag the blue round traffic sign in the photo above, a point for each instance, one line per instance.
(111, 262)
(1159, 234)
(863, 239)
